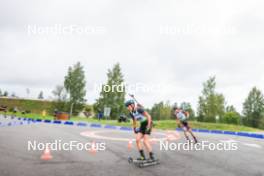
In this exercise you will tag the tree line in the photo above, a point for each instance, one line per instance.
(212, 106)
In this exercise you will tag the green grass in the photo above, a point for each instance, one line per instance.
(221, 126)
(162, 124)
(35, 106)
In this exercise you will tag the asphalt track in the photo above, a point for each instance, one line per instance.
(16, 160)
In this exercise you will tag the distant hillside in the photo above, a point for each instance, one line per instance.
(35, 106)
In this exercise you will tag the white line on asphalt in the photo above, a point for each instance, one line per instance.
(229, 141)
(252, 145)
(94, 134)
(246, 144)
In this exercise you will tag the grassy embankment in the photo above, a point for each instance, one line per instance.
(37, 106)
(162, 124)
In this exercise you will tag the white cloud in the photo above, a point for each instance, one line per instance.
(132, 37)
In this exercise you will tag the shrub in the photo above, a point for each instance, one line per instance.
(231, 118)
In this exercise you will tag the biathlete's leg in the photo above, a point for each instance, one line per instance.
(138, 141)
(184, 131)
(189, 129)
(146, 142)
(148, 146)
(185, 134)
(194, 138)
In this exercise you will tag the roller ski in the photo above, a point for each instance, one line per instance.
(143, 162)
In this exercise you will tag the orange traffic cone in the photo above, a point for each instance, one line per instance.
(93, 149)
(129, 146)
(46, 155)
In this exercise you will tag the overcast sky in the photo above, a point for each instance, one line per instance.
(174, 44)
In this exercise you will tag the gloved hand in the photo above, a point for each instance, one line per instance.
(148, 129)
(136, 130)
